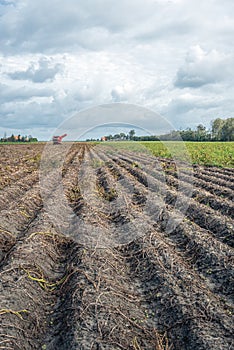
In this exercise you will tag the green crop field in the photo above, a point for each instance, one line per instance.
(206, 153)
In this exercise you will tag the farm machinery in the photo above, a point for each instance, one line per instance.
(57, 140)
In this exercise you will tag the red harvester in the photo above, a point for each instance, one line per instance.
(57, 140)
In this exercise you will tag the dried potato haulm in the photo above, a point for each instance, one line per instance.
(135, 258)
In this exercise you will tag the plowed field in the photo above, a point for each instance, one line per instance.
(136, 253)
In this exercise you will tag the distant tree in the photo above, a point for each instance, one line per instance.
(122, 136)
(131, 134)
(109, 137)
(174, 135)
(228, 130)
(33, 139)
(216, 128)
(116, 137)
(11, 138)
(201, 132)
(223, 129)
(188, 134)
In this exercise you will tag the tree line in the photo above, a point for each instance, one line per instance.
(117, 137)
(18, 138)
(221, 130)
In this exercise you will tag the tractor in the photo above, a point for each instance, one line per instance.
(57, 140)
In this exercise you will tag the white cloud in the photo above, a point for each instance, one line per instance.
(43, 71)
(175, 57)
(202, 67)
(10, 94)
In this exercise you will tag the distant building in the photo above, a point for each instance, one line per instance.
(103, 138)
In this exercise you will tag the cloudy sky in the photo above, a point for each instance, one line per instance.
(57, 58)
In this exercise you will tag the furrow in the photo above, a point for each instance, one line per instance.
(221, 227)
(209, 256)
(178, 181)
(183, 307)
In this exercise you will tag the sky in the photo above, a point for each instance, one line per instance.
(57, 58)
